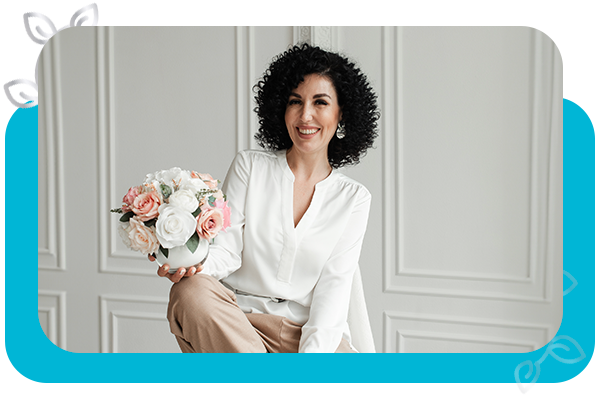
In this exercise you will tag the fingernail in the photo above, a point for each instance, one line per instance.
(181, 272)
(193, 270)
(166, 267)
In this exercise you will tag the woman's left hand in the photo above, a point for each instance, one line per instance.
(163, 271)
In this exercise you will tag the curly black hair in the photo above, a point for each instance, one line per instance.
(355, 96)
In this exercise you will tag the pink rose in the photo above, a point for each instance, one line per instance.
(145, 206)
(210, 182)
(142, 237)
(222, 205)
(128, 199)
(210, 223)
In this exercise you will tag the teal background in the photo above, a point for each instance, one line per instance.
(35, 357)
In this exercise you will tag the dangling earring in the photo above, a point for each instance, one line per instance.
(341, 131)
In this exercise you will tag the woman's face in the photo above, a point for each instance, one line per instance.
(312, 114)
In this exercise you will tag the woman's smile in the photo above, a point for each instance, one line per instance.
(307, 131)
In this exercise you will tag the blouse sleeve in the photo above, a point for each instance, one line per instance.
(224, 255)
(323, 331)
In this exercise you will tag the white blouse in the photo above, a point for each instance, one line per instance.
(303, 273)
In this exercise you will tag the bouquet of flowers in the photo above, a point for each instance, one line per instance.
(171, 209)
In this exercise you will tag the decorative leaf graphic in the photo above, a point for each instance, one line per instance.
(42, 25)
(40, 29)
(525, 386)
(85, 14)
(17, 87)
(562, 342)
(573, 283)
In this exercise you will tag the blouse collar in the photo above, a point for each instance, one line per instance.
(287, 171)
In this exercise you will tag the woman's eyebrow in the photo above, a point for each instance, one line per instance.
(316, 96)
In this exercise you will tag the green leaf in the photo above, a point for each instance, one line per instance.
(192, 243)
(211, 201)
(166, 190)
(117, 210)
(164, 251)
(197, 212)
(151, 222)
(126, 216)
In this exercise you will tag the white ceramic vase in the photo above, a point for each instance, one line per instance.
(181, 256)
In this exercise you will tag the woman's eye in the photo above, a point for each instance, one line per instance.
(321, 102)
(293, 101)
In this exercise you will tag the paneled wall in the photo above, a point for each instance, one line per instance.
(463, 251)
(466, 232)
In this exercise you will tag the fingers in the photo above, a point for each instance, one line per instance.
(176, 277)
(163, 271)
(151, 257)
(180, 273)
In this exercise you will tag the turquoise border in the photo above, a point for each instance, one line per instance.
(35, 357)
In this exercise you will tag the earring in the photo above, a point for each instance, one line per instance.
(340, 131)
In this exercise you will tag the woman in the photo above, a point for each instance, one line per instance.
(279, 279)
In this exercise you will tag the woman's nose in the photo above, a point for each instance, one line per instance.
(307, 113)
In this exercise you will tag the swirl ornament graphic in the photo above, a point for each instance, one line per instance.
(574, 351)
(562, 342)
(41, 37)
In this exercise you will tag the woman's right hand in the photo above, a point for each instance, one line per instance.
(180, 273)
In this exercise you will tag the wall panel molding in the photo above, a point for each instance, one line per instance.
(111, 260)
(52, 257)
(554, 256)
(120, 307)
(245, 46)
(114, 258)
(123, 315)
(401, 278)
(54, 305)
(402, 337)
(451, 328)
(391, 136)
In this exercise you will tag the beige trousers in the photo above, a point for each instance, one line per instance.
(205, 318)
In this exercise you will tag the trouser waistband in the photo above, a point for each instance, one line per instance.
(237, 291)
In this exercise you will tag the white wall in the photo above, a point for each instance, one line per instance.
(464, 246)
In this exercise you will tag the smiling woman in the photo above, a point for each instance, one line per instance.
(291, 295)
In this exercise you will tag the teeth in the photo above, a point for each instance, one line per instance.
(308, 131)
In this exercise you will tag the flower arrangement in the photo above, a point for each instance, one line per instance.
(172, 208)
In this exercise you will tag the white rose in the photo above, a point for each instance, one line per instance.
(142, 237)
(184, 199)
(174, 226)
(194, 185)
(124, 229)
